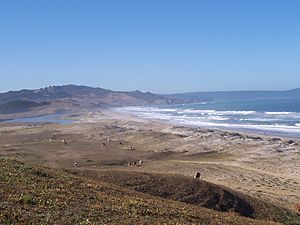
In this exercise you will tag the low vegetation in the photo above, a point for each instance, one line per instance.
(19, 106)
(35, 195)
(200, 193)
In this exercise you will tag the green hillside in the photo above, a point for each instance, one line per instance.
(19, 106)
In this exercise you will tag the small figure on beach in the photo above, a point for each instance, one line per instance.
(132, 163)
(197, 175)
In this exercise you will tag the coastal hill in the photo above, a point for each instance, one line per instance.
(198, 192)
(49, 196)
(96, 96)
(19, 106)
(70, 97)
(87, 96)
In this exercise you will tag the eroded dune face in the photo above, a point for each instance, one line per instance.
(196, 192)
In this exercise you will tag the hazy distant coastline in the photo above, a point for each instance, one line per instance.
(264, 112)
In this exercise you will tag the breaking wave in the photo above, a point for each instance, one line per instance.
(280, 122)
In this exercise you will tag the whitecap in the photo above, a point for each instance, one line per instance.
(234, 113)
(278, 113)
(220, 118)
(259, 119)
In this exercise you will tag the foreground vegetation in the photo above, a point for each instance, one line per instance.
(200, 193)
(35, 195)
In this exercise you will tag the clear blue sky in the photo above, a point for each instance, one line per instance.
(161, 46)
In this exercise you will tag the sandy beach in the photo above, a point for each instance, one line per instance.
(261, 166)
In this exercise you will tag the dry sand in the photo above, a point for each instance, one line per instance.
(262, 166)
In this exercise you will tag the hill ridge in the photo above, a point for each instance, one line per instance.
(87, 96)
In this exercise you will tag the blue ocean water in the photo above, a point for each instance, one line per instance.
(49, 118)
(267, 116)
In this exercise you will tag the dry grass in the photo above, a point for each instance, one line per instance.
(198, 192)
(34, 195)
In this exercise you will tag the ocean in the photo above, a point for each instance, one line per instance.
(265, 116)
(49, 118)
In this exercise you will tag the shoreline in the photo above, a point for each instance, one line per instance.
(263, 166)
(111, 113)
(210, 120)
(270, 134)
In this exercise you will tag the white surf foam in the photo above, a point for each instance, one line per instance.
(219, 118)
(274, 128)
(196, 111)
(235, 112)
(278, 113)
(259, 119)
(213, 118)
(214, 112)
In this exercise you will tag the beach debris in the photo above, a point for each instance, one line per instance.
(103, 144)
(75, 164)
(291, 142)
(139, 164)
(131, 148)
(197, 175)
(120, 143)
(108, 139)
(135, 163)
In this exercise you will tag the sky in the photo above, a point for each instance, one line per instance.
(161, 46)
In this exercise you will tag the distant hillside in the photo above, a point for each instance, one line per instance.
(92, 97)
(234, 95)
(19, 106)
(88, 96)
